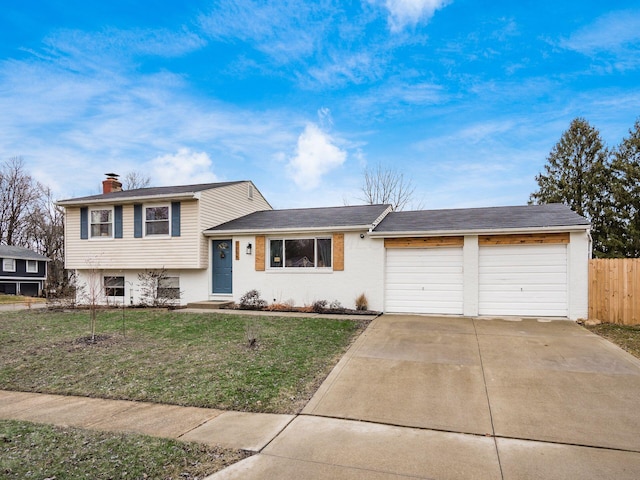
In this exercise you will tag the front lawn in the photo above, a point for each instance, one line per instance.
(45, 452)
(202, 360)
(625, 336)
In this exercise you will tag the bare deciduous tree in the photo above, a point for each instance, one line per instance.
(18, 193)
(44, 234)
(383, 185)
(135, 179)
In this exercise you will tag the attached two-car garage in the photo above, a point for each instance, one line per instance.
(524, 275)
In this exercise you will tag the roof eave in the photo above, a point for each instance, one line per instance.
(126, 200)
(270, 231)
(482, 231)
(19, 257)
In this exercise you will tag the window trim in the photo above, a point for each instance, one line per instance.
(314, 268)
(31, 262)
(113, 287)
(172, 278)
(145, 221)
(10, 269)
(91, 224)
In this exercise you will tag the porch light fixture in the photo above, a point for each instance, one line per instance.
(248, 248)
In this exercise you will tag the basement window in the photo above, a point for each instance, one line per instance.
(114, 286)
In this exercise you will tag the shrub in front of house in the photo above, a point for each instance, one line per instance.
(252, 301)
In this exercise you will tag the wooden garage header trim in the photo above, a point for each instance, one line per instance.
(524, 239)
(423, 242)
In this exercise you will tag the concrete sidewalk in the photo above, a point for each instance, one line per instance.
(238, 430)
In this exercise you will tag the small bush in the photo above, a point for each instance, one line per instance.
(361, 302)
(252, 333)
(319, 306)
(335, 305)
(252, 301)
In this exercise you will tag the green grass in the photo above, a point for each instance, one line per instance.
(172, 357)
(625, 336)
(41, 451)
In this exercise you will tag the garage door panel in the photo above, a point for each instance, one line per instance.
(424, 280)
(523, 280)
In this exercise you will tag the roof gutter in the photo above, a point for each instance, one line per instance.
(127, 200)
(266, 231)
(484, 231)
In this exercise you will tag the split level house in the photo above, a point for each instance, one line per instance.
(218, 241)
(22, 271)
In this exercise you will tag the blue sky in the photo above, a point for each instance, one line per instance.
(466, 98)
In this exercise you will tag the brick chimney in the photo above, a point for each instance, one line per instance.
(111, 184)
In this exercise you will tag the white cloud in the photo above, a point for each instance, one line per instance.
(611, 32)
(316, 155)
(182, 168)
(285, 31)
(403, 13)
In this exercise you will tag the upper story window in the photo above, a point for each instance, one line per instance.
(300, 253)
(157, 220)
(32, 266)
(101, 223)
(8, 264)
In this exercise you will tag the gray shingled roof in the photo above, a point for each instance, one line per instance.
(491, 218)
(150, 192)
(8, 251)
(305, 218)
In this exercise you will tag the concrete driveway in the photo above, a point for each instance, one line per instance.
(454, 398)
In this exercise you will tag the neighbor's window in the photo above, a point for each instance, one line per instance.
(32, 266)
(114, 286)
(300, 253)
(102, 223)
(169, 288)
(157, 220)
(8, 265)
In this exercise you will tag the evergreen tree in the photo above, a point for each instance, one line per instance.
(577, 174)
(626, 192)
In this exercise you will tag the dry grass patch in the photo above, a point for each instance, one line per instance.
(625, 336)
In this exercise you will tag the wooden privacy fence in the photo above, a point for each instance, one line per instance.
(614, 290)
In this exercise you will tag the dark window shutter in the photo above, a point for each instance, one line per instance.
(137, 221)
(175, 219)
(84, 223)
(117, 217)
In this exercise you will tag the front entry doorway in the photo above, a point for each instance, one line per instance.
(222, 266)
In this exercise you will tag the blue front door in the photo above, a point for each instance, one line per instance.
(222, 266)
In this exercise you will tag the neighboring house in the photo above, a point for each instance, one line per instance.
(219, 241)
(22, 271)
(112, 238)
(526, 260)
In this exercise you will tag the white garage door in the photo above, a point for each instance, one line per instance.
(424, 280)
(528, 280)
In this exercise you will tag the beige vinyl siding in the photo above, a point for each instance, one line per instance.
(128, 252)
(222, 204)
